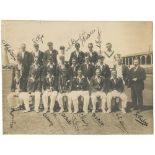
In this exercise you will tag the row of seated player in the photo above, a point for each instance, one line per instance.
(78, 87)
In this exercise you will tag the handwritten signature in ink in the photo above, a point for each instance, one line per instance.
(66, 118)
(48, 119)
(140, 119)
(38, 38)
(75, 122)
(97, 120)
(12, 118)
(98, 41)
(83, 117)
(83, 37)
(121, 122)
(9, 49)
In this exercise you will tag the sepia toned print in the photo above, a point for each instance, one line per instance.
(77, 77)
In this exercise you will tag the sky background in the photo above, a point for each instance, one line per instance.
(126, 37)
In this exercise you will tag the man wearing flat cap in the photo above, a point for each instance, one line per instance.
(78, 55)
(50, 52)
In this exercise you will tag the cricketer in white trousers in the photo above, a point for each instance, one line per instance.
(114, 94)
(22, 97)
(85, 95)
(45, 97)
(37, 96)
(60, 100)
(94, 96)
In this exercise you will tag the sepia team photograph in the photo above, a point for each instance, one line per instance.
(77, 77)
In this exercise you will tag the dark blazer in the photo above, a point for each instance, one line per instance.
(52, 69)
(88, 72)
(98, 85)
(79, 59)
(140, 74)
(73, 70)
(92, 58)
(50, 83)
(116, 85)
(48, 55)
(105, 71)
(80, 84)
(40, 57)
(126, 74)
(15, 85)
(63, 78)
(36, 74)
(26, 63)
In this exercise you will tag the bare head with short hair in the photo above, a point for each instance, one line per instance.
(90, 46)
(114, 73)
(136, 61)
(36, 46)
(50, 45)
(77, 46)
(108, 46)
(22, 47)
(98, 72)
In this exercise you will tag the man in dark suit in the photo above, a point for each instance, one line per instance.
(25, 58)
(50, 53)
(137, 77)
(34, 82)
(50, 86)
(74, 68)
(64, 86)
(97, 84)
(80, 88)
(88, 70)
(105, 70)
(78, 55)
(116, 89)
(93, 56)
(37, 53)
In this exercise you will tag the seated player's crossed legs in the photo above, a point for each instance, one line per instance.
(114, 94)
(85, 95)
(94, 97)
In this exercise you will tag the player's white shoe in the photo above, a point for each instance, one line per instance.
(108, 111)
(123, 111)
